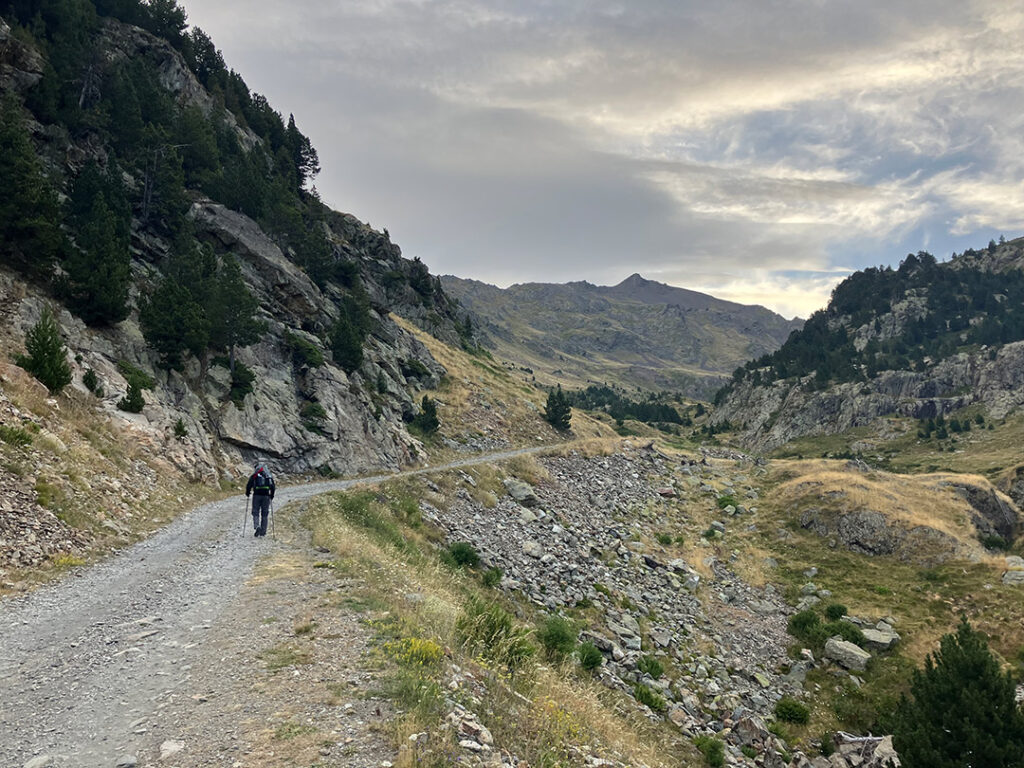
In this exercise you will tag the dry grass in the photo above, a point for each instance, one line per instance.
(907, 500)
(543, 710)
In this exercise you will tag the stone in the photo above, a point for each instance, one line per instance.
(42, 761)
(526, 516)
(880, 640)
(170, 748)
(1013, 578)
(847, 654)
(533, 549)
(522, 492)
(749, 731)
(128, 761)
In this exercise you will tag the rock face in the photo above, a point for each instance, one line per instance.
(775, 414)
(303, 418)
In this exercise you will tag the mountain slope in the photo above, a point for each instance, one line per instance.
(144, 175)
(923, 341)
(638, 332)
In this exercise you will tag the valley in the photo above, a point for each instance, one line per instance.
(545, 526)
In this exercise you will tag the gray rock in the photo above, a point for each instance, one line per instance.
(522, 492)
(42, 761)
(1013, 578)
(847, 654)
(128, 761)
(533, 549)
(880, 640)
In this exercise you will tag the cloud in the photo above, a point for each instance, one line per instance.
(719, 146)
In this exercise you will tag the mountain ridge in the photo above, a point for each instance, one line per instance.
(638, 332)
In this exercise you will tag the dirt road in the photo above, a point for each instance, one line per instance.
(88, 664)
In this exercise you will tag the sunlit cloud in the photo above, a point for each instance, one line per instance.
(755, 150)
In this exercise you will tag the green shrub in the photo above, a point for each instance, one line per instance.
(590, 656)
(426, 422)
(558, 637)
(313, 416)
(15, 436)
(91, 382)
(664, 539)
(132, 402)
(492, 577)
(789, 710)
(180, 430)
(304, 352)
(646, 696)
(994, 541)
(835, 611)
(727, 501)
(749, 752)
(487, 629)
(803, 622)
(712, 748)
(961, 709)
(464, 555)
(132, 374)
(650, 666)
(845, 630)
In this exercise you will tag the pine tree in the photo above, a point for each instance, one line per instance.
(30, 236)
(99, 270)
(558, 412)
(426, 420)
(47, 357)
(232, 313)
(962, 711)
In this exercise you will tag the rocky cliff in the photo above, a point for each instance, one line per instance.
(639, 332)
(303, 415)
(924, 341)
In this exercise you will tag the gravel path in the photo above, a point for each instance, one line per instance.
(87, 662)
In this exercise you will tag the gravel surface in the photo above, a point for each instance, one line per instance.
(87, 662)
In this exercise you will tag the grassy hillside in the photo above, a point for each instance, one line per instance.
(638, 333)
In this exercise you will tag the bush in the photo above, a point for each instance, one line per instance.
(646, 696)
(312, 415)
(558, 636)
(664, 539)
(142, 379)
(91, 382)
(835, 611)
(15, 436)
(487, 629)
(426, 422)
(726, 501)
(492, 577)
(463, 554)
(47, 355)
(180, 430)
(132, 402)
(845, 630)
(712, 748)
(789, 710)
(994, 541)
(649, 665)
(304, 352)
(590, 656)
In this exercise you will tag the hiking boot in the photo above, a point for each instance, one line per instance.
(256, 533)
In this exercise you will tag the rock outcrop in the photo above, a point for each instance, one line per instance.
(772, 415)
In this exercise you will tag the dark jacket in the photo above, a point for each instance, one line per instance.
(260, 485)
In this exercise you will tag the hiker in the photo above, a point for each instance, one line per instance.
(261, 486)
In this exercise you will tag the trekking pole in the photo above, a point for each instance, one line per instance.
(273, 523)
(245, 520)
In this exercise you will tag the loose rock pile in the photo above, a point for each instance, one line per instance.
(30, 534)
(583, 539)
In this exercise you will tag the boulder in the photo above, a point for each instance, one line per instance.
(522, 492)
(880, 639)
(847, 654)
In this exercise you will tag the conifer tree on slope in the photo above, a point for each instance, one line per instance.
(962, 711)
(557, 412)
(47, 358)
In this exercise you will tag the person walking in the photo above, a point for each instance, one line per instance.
(261, 486)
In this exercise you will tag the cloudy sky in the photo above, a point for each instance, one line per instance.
(757, 150)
